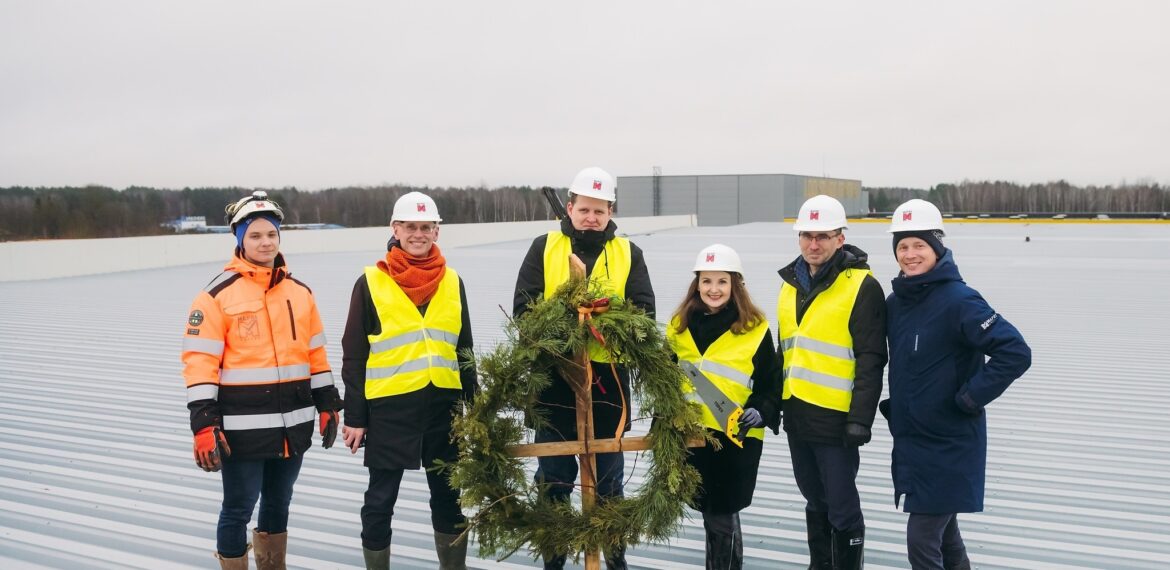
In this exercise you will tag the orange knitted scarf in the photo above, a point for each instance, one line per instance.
(418, 277)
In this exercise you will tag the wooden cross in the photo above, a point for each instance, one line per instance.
(585, 447)
(578, 373)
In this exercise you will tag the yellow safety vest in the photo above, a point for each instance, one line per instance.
(413, 350)
(819, 365)
(727, 362)
(611, 269)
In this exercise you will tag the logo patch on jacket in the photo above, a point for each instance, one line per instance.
(194, 332)
(248, 327)
(990, 321)
(196, 318)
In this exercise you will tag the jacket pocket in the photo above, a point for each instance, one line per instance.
(247, 323)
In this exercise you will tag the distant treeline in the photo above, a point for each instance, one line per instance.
(1055, 197)
(96, 211)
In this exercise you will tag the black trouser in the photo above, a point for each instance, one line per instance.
(827, 477)
(933, 542)
(382, 494)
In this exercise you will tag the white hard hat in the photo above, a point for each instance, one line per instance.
(594, 183)
(415, 207)
(820, 213)
(718, 257)
(257, 203)
(916, 215)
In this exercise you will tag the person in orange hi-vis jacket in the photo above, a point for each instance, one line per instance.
(257, 376)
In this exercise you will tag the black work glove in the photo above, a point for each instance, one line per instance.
(856, 434)
(328, 428)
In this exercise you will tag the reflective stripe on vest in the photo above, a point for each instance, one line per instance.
(265, 421)
(727, 362)
(612, 270)
(202, 392)
(413, 350)
(819, 364)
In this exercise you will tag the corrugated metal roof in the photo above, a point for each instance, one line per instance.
(96, 468)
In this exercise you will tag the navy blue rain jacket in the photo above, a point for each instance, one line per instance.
(940, 331)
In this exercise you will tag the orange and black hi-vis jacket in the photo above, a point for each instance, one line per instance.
(254, 361)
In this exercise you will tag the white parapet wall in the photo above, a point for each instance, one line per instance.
(48, 259)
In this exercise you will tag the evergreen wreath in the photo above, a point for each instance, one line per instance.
(512, 511)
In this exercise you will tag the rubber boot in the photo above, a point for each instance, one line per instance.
(848, 549)
(377, 559)
(555, 563)
(270, 549)
(820, 540)
(724, 542)
(237, 563)
(452, 555)
(615, 558)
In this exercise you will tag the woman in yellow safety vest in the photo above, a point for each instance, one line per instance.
(719, 334)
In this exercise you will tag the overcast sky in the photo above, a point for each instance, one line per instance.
(326, 94)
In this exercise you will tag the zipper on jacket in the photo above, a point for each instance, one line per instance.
(291, 321)
(915, 342)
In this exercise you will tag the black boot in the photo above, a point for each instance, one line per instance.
(848, 549)
(820, 540)
(555, 563)
(724, 542)
(615, 558)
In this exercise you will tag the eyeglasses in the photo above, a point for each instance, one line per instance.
(410, 228)
(819, 238)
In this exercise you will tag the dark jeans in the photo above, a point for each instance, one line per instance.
(561, 470)
(244, 481)
(382, 494)
(933, 542)
(827, 477)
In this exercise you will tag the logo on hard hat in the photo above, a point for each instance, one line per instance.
(710, 258)
(814, 214)
(597, 185)
(422, 207)
(907, 215)
(260, 204)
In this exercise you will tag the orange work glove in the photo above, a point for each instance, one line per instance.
(328, 427)
(210, 447)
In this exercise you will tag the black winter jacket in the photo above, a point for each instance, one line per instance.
(402, 429)
(867, 325)
(557, 400)
(729, 474)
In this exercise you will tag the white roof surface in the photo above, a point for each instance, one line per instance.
(95, 450)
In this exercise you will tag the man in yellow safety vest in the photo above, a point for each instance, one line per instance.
(832, 329)
(587, 242)
(405, 374)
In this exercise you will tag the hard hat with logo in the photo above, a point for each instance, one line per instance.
(718, 257)
(594, 183)
(916, 215)
(415, 207)
(254, 205)
(820, 214)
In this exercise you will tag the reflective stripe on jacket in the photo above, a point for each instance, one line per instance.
(413, 350)
(819, 364)
(254, 361)
(727, 363)
(611, 269)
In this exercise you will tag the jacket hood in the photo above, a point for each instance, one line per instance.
(848, 257)
(914, 287)
(266, 277)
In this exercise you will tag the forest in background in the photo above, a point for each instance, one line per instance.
(97, 211)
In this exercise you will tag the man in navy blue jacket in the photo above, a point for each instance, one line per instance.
(951, 354)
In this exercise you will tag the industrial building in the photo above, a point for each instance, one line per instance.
(724, 200)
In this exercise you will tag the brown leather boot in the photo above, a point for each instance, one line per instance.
(270, 549)
(238, 563)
